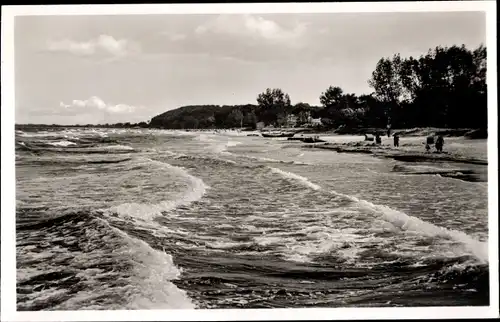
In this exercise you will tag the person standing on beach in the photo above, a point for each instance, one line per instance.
(396, 140)
(378, 140)
(439, 143)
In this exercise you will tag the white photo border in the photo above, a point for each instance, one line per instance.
(8, 228)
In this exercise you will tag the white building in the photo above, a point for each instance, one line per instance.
(291, 120)
(315, 122)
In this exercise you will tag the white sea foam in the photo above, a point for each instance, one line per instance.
(147, 212)
(147, 286)
(404, 222)
(233, 143)
(269, 160)
(302, 180)
(175, 155)
(409, 223)
(61, 143)
(118, 147)
(154, 276)
(38, 134)
(204, 138)
(228, 161)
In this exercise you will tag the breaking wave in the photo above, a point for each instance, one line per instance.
(401, 220)
(147, 212)
(61, 143)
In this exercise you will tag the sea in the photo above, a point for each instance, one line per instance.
(161, 219)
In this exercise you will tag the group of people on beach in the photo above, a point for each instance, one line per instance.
(437, 141)
(378, 139)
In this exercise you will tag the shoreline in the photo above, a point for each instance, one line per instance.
(477, 172)
(394, 153)
(469, 133)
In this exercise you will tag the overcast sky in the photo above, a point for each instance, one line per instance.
(98, 69)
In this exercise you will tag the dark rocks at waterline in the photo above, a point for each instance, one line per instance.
(476, 134)
(307, 139)
(469, 175)
(435, 157)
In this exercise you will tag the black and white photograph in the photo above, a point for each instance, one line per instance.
(248, 160)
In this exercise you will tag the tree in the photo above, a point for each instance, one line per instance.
(250, 119)
(190, 122)
(302, 111)
(331, 97)
(339, 108)
(274, 105)
(387, 83)
(211, 121)
(235, 118)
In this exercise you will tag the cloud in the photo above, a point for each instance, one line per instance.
(251, 26)
(103, 43)
(174, 36)
(96, 104)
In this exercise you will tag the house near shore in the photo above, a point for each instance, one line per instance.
(314, 122)
(260, 125)
(291, 120)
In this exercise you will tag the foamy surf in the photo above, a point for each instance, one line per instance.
(61, 143)
(147, 212)
(154, 276)
(402, 221)
(147, 285)
(118, 147)
(292, 176)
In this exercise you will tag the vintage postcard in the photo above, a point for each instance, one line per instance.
(249, 161)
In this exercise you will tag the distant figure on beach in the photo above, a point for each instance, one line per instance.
(427, 147)
(396, 140)
(378, 139)
(439, 143)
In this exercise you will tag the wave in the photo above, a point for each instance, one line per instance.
(147, 212)
(109, 161)
(401, 220)
(37, 134)
(269, 160)
(233, 143)
(174, 155)
(82, 147)
(82, 262)
(61, 143)
(302, 180)
(216, 146)
(155, 271)
(409, 223)
(118, 147)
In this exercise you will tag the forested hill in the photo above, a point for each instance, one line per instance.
(207, 116)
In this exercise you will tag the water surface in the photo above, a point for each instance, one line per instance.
(150, 219)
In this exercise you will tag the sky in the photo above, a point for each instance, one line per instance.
(129, 68)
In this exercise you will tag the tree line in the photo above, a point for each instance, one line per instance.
(446, 87)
